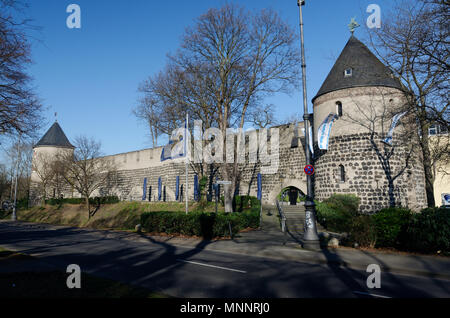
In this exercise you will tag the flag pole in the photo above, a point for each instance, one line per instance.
(187, 159)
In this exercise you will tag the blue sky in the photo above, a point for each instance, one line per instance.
(89, 76)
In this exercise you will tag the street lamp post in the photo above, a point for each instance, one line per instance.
(310, 237)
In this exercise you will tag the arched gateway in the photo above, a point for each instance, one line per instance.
(291, 195)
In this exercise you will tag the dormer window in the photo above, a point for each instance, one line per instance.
(348, 72)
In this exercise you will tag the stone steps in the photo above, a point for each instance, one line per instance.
(295, 218)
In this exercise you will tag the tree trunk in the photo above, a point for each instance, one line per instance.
(44, 196)
(429, 178)
(228, 197)
(391, 193)
(88, 207)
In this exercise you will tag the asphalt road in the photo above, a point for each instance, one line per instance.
(194, 272)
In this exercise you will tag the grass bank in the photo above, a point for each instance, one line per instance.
(118, 216)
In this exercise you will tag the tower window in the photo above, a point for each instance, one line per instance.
(348, 72)
(432, 130)
(339, 109)
(342, 173)
(437, 130)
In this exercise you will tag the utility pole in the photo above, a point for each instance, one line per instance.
(310, 237)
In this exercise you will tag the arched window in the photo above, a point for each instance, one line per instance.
(342, 173)
(339, 109)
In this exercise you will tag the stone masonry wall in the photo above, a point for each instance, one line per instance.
(364, 176)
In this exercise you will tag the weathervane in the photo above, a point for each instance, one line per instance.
(353, 25)
(56, 116)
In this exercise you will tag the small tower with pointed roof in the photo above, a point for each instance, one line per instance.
(45, 152)
(349, 165)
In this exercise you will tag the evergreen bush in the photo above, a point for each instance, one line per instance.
(337, 212)
(429, 231)
(95, 200)
(390, 224)
(207, 225)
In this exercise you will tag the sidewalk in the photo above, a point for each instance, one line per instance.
(270, 242)
(270, 245)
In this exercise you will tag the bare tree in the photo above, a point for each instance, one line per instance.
(4, 181)
(44, 168)
(18, 155)
(263, 117)
(229, 61)
(374, 116)
(20, 109)
(413, 43)
(85, 170)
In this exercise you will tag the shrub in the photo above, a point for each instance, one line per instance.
(363, 231)
(207, 225)
(245, 202)
(429, 231)
(390, 224)
(104, 200)
(22, 204)
(337, 212)
(95, 200)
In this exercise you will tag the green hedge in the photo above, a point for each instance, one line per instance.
(337, 212)
(207, 225)
(429, 231)
(400, 228)
(363, 231)
(390, 224)
(246, 202)
(95, 200)
(426, 232)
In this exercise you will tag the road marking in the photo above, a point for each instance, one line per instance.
(214, 266)
(368, 294)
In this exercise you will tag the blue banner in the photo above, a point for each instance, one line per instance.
(311, 143)
(159, 188)
(144, 190)
(196, 188)
(177, 186)
(388, 139)
(323, 134)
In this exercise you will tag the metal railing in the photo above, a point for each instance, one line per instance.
(282, 217)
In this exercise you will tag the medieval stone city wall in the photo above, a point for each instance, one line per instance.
(348, 146)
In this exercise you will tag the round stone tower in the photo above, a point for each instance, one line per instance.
(45, 152)
(363, 95)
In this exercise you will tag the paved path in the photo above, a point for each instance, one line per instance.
(196, 268)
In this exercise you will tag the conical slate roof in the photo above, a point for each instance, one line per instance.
(367, 70)
(55, 137)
